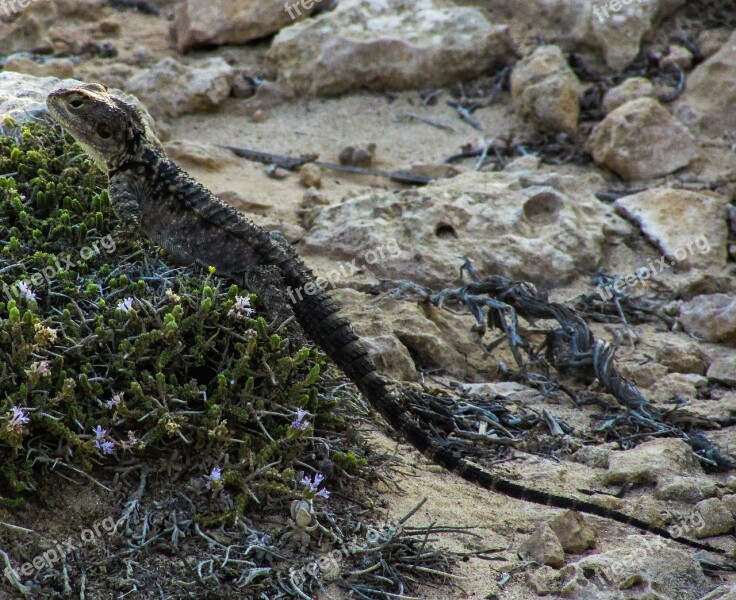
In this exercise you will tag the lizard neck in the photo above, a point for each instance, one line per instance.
(146, 158)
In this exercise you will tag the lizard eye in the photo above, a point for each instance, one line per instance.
(104, 131)
(76, 103)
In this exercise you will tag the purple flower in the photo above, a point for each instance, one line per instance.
(130, 442)
(107, 447)
(314, 483)
(126, 305)
(100, 432)
(214, 477)
(241, 308)
(40, 368)
(299, 422)
(19, 418)
(26, 291)
(114, 401)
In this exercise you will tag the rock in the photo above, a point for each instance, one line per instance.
(243, 86)
(62, 68)
(707, 102)
(711, 41)
(677, 385)
(723, 369)
(384, 347)
(593, 456)
(312, 198)
(682, 358)
(619, 34)
(699, 284)
(685, 489)
(357, 157)
(651, 462)
(545, 90)
(679, 57)
(608, 32)
(26, 28)
(631, 89)
(729, 501)
(642, 567)
(716, 519)
(574, 534)
(244, 204)
(543, 547)
(400, 334)
(310, 176)
(641, 140)
(218, 22)
(643, 374)
(711, 318)
(543, 581)
(541, 228)
(110, 27)
(393, 44)
(173, 89)
(88, 10)
(199, 154)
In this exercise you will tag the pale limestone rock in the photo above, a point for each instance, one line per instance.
(707, 102)
(640, 140)
(711, 318)
(651, 462)
(62, 68)
(25, 26)
(206, 156)
(711, 41)
(389, 44)
(716, 519)
(631, 89)
(403, 337)
(685, 489)
(639, 567)
(677, 56)
(619, 35)
(543, 547)
(688, 228)
(682, 357)
(574, 534)
(672, 385)
(171, 88)
(610, 32)
(643, 374)
(546, 91)
(541, 228)
(89, 10)
(723, 369)
(219, 22)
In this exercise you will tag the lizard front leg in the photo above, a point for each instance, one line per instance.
(124, 201)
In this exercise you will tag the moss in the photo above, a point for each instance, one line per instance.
(111, 353)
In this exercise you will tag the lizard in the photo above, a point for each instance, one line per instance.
(149, 192)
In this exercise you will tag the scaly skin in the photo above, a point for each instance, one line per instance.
(150, 192)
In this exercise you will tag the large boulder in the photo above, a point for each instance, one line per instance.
(218, 22)
(391, 44)
(171, 88)
(539, 227)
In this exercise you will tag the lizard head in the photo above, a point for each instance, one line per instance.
(108, 128)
